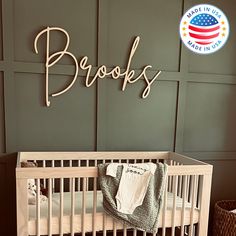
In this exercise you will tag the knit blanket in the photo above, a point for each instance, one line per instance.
(144, 217)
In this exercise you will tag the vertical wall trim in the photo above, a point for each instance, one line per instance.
(8, 57)
(181, 99)
(176, 117)
(97, 64)
(99, 47)
(179, 132)
(184, 53)
(181, 44)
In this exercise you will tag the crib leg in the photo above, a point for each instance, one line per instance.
(22, 207)
(205, 187)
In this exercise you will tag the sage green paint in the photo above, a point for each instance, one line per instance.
(156, 22)
(77, 17)
(210, 117)
(68, 124)
(128, 122)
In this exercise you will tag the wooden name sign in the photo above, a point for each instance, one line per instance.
(128, 75)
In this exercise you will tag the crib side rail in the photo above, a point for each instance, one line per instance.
(23, 156)
(69, 172)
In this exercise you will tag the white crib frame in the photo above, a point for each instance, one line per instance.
(179, 165)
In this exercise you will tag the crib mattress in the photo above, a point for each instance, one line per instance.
(99, 220)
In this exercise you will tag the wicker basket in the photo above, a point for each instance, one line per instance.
(224, 220)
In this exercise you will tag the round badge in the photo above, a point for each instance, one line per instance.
(204, 29)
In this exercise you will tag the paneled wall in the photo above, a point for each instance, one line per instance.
(191, 107)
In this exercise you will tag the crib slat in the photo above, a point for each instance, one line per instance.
(49, 207)
(125, 230)
(84, 205)
(170, 180)
(180, 183)
(53, 180)
(72, 180)
(44, 180)
(188, 188)
(104, 224)
(61, 204)
(70, 165)
(87, 165)
(193, 190)
(164, 210)
(197, 192)
(175, 180)
(114, 227)
(38, 206)
(78, 186)
(184, 192)
(94, 205)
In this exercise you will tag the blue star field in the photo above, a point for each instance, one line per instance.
(204, 20)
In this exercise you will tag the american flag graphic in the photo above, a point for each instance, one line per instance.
(204, 28)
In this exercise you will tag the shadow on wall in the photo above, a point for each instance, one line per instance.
(8, 195)
(223, 185)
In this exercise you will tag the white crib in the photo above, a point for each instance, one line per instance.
(74, 203)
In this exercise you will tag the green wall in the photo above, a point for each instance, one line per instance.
(191, 107)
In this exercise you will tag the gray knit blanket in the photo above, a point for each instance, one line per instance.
(144, 217)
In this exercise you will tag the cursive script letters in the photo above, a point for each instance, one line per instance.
(102, 71)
